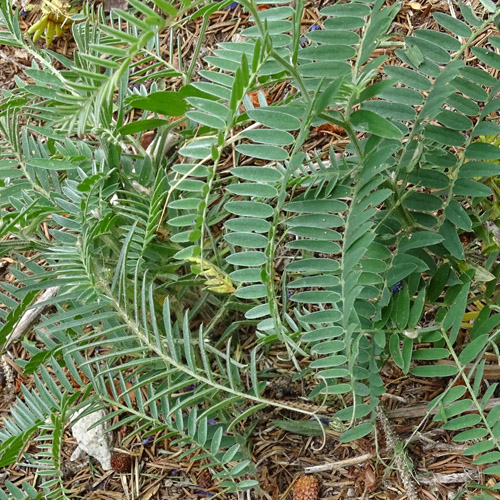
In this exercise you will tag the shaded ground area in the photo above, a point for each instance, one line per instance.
(344, 470)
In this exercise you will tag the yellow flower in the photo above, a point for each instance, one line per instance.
(217, 280)
(56, 17)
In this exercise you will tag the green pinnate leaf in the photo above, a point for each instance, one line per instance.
(443, 135)
(480, 447)
(462, 422)
(434, 371)
(247, 259)
(409, 77)
(419, 240)
(472, 349)
(452, 24)
(346, 10)
(275, 119)
(356, 432)
(253, 189)
(247, 240)
(269, 136)
(216, 441)
(165, 102)
(265, 152)
(368, 121)
(257, 174)
(417, 309)
(316, 206)
(458, 215)
(470, 434)
(487, 458)
(451, 240)
(249, 209)
(401, 309)
(395, 350)
(302, 427)
(482, 151)
(431, 354)
(489, 5)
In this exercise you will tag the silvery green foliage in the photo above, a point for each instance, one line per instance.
(331, 256)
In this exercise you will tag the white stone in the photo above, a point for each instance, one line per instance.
(94, 442)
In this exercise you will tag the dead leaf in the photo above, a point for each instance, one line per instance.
(329, 129)
(370, 477)
(119, 391)
(174, 118)
(147, 138)
(109, 5)
(254, 97)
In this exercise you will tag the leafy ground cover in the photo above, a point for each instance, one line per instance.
(143, 175)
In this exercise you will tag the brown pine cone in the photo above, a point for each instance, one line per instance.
(205, 479)
(121, 462)
(306, 488)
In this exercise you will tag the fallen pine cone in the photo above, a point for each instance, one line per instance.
(121, 463)
(205, 479)
(306, 488)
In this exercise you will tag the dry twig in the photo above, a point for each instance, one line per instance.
(337, 465)
(30, 317)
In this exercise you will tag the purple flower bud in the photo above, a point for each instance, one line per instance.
(212, 422)
(232, 6)
(202, 492)
(397, 287)
(315, 27)
(144, 442)
(324, 420)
